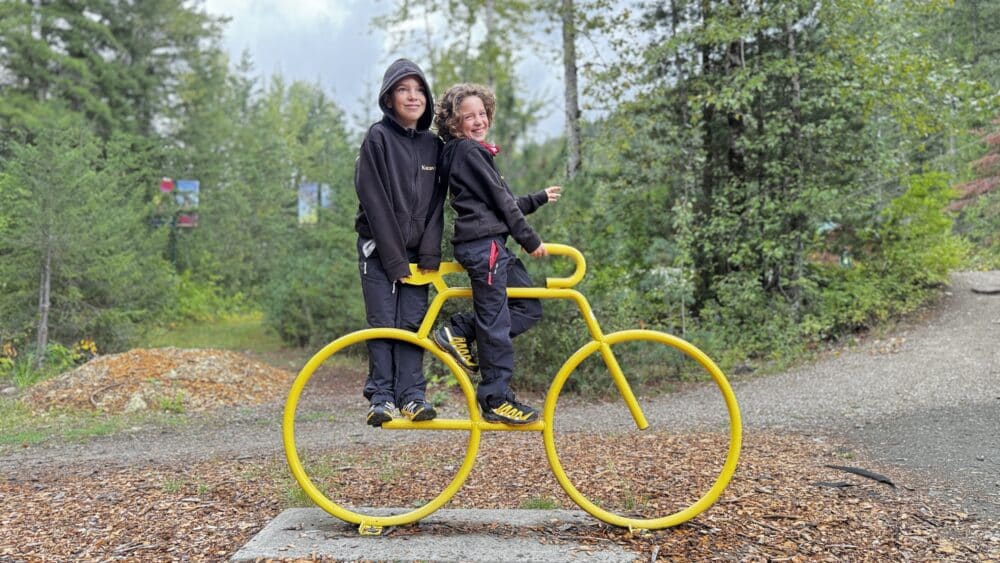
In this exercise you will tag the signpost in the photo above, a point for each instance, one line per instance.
(182, 214)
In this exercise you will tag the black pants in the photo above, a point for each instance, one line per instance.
(496, 320)
(395, 369)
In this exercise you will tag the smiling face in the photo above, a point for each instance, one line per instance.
(408, 101)
(474, 122)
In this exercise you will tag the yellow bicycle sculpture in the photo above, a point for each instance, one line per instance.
(556, 288)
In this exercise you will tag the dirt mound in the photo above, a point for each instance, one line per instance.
(163, 379)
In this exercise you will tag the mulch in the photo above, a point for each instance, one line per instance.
(785, 503)
(186, 380)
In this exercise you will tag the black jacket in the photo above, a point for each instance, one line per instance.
(483, 201)
(401, 204)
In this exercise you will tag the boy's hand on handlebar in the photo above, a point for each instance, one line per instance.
(539, 252)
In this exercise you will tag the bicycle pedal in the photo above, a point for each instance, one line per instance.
(369, 530)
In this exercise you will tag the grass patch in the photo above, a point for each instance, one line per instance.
(315, 416)
(172, 486)
(295, 497)
(95, 428)
(244, 333)
(238, 332)
(539, 503)
(172, 404)
(19, 427)
(23, 438)
(325, 470)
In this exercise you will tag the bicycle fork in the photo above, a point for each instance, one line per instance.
(623, 387)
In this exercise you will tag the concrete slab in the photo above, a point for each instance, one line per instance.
(446, 535)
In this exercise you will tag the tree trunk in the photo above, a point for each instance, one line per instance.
(573, 160)
(490, 19)
(976, 47)
(704, 258)
(44, 302)
(798, 220)
(679, 62)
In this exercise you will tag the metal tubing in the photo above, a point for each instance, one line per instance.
(555, 288)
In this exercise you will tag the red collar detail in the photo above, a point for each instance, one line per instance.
(494, 150)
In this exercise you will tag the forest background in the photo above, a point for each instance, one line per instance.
(764, 179)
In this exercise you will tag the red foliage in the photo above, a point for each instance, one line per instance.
(973, 189)
(987, 165)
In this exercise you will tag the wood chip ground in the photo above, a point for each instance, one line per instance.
(784, 503)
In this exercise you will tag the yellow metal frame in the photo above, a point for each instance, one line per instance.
(555, 288)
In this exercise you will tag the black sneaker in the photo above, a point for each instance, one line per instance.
(418, 410)
(509, 412)
(457, 347)
(380, 412)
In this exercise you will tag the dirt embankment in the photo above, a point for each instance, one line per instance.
(163, 378)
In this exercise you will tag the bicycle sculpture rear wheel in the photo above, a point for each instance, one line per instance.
(341, 509)
(656, 506)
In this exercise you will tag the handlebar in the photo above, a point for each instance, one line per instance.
(419, 278)
(578, 272)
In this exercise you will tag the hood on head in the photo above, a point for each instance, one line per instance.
(398, 71)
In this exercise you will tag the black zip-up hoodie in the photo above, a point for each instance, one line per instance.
(401, 204)
(484, 203)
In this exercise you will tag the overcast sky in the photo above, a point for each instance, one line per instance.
(331, 42)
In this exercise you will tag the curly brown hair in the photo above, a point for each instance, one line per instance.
(446, 116)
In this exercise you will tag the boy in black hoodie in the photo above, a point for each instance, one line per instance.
(487, 213)
(399, 221)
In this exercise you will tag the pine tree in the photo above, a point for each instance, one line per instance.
(113, 61)
(76, 244)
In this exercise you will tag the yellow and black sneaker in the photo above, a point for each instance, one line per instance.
(457, 347)
(379, 413)
(509, 412)
(418, 410)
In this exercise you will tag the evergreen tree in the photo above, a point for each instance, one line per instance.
(747, 128)
(113, 61)
(78, 260)
(477, 46)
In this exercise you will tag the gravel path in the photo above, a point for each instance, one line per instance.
(924, 399)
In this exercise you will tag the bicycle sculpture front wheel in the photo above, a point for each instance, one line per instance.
(624, 473)
(375, 459)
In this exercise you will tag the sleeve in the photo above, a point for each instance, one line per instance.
(373, 192)
(530, 203)
(495, 192)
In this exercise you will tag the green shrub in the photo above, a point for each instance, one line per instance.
(22, 373)
(202, 300)
(919, 248)
(750, 322)
(315, 295)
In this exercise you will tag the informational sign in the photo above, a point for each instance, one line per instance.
(325, 200)
(312, 197)
(186, 194)
(187, 220)
(308, 204)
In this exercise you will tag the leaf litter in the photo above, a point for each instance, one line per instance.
(779, 505)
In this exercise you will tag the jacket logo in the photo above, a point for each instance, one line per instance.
(426, 167)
